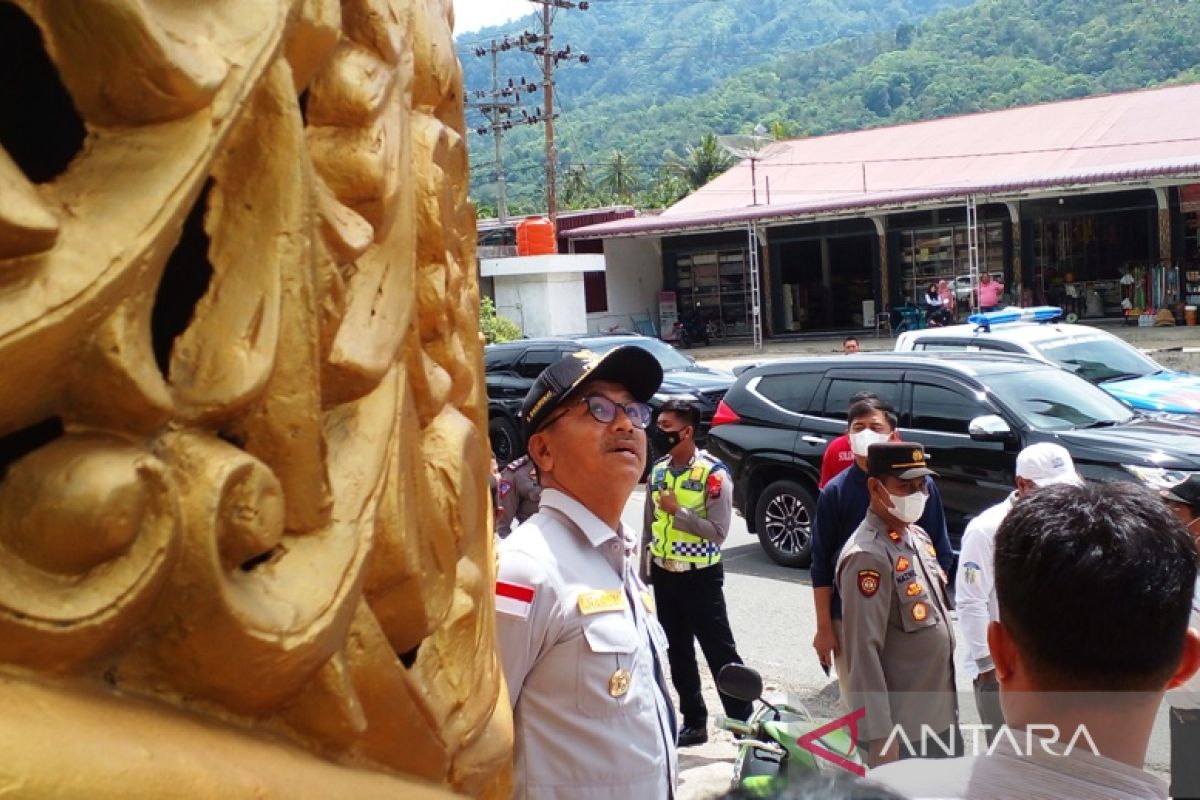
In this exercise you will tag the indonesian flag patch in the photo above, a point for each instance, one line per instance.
(514, 599)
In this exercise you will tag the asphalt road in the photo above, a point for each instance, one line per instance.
(771, 612)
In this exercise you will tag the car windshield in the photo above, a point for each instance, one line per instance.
(1098, 358)
(1049, 400)
(668, 357)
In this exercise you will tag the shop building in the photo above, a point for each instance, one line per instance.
(1085, 203)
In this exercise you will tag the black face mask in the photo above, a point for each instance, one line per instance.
(664, 441)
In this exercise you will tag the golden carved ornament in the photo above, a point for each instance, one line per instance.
(245, 546)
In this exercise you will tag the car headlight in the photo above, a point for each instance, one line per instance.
(1157, 477)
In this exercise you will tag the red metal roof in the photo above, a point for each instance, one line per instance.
(1112, 139)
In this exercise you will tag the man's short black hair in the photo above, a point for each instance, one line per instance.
(868, 406)
(1095, 586)
(849, 339)
(684, 408)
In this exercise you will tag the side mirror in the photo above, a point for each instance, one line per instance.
(740, 682)
(989, 428)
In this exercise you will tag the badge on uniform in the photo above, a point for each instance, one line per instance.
(505, 488)
(714, 485)
(931, 550)
(514, 599)
(648, 602)
(902, 564)
(920, 611)
(894, 536)
(868, 582)
(970, 572)
(618, 684)
(599, 600)
(914, 589)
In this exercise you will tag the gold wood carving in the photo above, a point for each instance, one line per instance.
(244, 537)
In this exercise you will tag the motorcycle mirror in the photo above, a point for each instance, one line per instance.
(740, 682)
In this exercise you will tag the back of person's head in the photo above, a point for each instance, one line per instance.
(1095, 585)
(867, 407)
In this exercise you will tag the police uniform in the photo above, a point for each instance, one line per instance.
(517, 495)
(583, 655)
(684, 555)
(897, 638)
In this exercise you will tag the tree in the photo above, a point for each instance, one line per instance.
(577, 187)
(701, 163)
(620, 177)
(494, 327)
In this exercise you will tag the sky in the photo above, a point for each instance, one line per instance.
(471, 15)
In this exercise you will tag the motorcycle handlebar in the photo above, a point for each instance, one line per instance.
(734, 725)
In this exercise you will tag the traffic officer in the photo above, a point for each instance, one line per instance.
(898, 642)
(518, 492)
(583, 655)
(689, 505)
(1184, 500)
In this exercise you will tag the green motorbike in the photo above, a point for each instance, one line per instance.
(781, 741)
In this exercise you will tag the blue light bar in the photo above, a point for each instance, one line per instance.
(985, 321)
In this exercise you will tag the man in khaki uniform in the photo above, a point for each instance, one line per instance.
(898, 641)
(517, 493)
(583, 654)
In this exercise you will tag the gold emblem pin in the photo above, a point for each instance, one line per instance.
(920, 611)
(618, 684)
(918, 456)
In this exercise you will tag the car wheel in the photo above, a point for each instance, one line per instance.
(784, 518)
(507, 446)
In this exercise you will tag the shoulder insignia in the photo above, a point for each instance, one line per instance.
(600, 600)
(868, 582)
(520, 462)
(714, 484)
(920, 612)
(505, 487)
(931, 550)
(902, 564)
(514, 599)
(894, 536)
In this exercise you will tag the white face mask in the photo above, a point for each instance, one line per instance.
(908, 508)
(860, 441)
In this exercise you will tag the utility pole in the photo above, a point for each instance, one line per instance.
(498, 108)
(542, 46)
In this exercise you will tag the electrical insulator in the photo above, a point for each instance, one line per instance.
(584, 5)
(584, 58)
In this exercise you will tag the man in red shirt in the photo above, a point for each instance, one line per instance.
(838, 455)
(989, 292)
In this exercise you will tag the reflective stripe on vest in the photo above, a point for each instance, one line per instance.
(669, 541)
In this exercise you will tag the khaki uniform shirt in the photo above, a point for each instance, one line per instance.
(518, 493)
(897, 638)
(583, 656)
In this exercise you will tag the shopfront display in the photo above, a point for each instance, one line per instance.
(715, 286)
(929, 255)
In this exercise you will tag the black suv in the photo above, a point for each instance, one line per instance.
(973, 412)
(511, 368)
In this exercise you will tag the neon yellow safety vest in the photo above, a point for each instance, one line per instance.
(669, 541)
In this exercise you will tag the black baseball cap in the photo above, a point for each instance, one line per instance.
(1186, 492)
(905, 460)
(629, 365)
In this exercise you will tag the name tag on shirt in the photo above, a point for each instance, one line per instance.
(600, 600)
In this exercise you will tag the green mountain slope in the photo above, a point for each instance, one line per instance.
(991, 54)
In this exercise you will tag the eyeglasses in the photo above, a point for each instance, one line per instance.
(605, 411)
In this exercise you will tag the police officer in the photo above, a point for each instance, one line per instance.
(1184, 501)
(583, 654)
(518, 492)
(689, 504)
(898, 641)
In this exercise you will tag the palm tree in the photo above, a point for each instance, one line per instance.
(702, 163)
(577, 187)
(620, 177)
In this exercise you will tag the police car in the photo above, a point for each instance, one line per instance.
(1101, 358)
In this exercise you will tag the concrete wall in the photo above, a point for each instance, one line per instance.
(633, 273)
(547, 304)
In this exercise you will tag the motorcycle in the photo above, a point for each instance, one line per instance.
(770, 746)
(691, 329)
